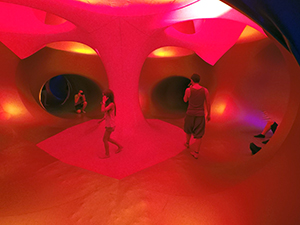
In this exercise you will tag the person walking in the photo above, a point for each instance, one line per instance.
(108, 106)
(195, 118)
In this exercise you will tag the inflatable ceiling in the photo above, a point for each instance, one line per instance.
(139, 49)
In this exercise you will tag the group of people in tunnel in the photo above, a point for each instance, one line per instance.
(198, 113)
(196, 95)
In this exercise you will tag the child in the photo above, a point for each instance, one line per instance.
(108, 106)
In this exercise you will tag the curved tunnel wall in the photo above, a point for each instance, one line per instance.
(156, 70)
(250, 81)
(282, 170)
(68, 86)
(34, 71)
(256, 79)
(244, 77)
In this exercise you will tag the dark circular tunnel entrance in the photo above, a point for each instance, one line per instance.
(57, 94)
(167, 95)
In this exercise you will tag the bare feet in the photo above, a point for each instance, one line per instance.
(119, 150)
(103, 156)
(186, 144)
(195, 154)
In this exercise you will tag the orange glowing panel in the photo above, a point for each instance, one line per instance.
(170, 51)
(219, 108)
(12, 109)
(4, 115)
(250, 34)
(224, 107)
(72, 47)
(10, 104)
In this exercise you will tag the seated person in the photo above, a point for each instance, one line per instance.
(271, 125)
(80, 102)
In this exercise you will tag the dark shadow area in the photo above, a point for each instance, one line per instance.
(167, 95)
(57, 94)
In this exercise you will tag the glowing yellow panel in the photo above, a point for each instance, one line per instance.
(72, 47)
(12, 109)
(170, 51)
(219, 108)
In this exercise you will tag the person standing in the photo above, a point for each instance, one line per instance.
(195, 119)
(108, 106)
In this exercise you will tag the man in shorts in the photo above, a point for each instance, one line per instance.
(194, 123)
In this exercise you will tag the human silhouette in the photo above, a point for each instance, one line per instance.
(194, 122)
(80, 102)
(108, 106)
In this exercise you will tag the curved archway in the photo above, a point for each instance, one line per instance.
(54, 92)
(270, 176)
(162, 75)
(68, 71)
(57, 94)
(236, 92)
(167, 95)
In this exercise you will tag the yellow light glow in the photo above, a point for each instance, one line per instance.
(71, 46)
(83, 50)
(12, 109)
(10, 104)
(170, 51)
(219, 108)
(164, 52)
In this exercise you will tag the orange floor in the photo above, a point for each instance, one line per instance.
(226, 185)
(37, 188)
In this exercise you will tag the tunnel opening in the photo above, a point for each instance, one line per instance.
(168, 93)
(163, 81)
(57, 94)
(243, 89)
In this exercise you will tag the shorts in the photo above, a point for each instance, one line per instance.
(79, 106)
(194, 125)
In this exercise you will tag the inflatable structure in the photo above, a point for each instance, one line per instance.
(247, 53)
